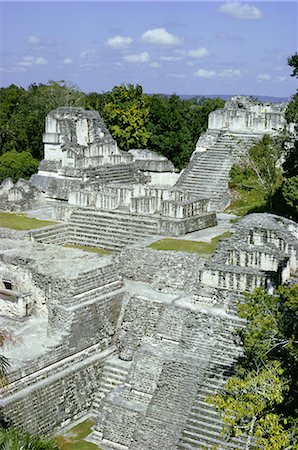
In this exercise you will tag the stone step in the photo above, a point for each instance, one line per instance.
(203, 440)
(118, 214)
(98, 243)
(112, 227)
(89, 297)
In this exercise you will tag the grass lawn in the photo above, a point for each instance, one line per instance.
(73, 439)
(180, 245)
(18, 221)
(86, 248)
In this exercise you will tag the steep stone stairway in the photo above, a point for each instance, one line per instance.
(113, 375)
(207, 173)
(203, 426)
(111, 230)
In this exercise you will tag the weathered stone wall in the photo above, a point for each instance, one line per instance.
(167, 271)
(65, 395)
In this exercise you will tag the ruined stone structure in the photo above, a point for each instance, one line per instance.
(139, 356)
(138, 338)
(110, 198)
(231, 131)
(79, 149)
(17, 196)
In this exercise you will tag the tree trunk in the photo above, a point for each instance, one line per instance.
(250, 434)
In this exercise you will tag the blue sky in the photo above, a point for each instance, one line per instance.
(197, 47)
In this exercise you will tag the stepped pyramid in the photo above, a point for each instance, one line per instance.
(231, 131)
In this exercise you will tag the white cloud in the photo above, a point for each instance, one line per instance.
(67, 61)
(202, 73)
(137, 58)
(240, 10)
(32, 39)
(155, 64)
(198, 53)
(119, 41)
(170, 58)
(230, 73)
(281, 78)
(40, 61)
(28, 61)
(160, 36)
(263, 77)
(87, 53)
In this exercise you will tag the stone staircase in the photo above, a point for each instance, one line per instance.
(111, 230)
(207, 173)
(113, 375)
(53, 234)
(203, 426)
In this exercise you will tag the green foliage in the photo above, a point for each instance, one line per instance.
(14, 439)
(261, 400)
(293, 62)
(22, 113)
(290, 193)
(126, 116)
(259, 172)
(17, 165)
(176, 124)
(247, 404)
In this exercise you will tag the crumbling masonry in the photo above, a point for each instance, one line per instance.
(137, 338)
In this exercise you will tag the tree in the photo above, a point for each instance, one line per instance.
(248, 408)
(290, 193)
(260, 168)
(17, 165)
(176, 124)
(126, 116)
(254, 401)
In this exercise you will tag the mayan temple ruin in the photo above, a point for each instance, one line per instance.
(136, 338)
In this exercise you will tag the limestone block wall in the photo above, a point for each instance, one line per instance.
(141, 318)
(63, 396)
(246, 114)
(167, 271)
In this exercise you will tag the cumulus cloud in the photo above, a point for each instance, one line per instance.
(32, 39)
(264, 77)
(119, 41)
(67, 61)
(160, 36)
(202, 73)
(230, 73)
(198, 53)
(240, 10)
(137, 58)
(281, 78)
